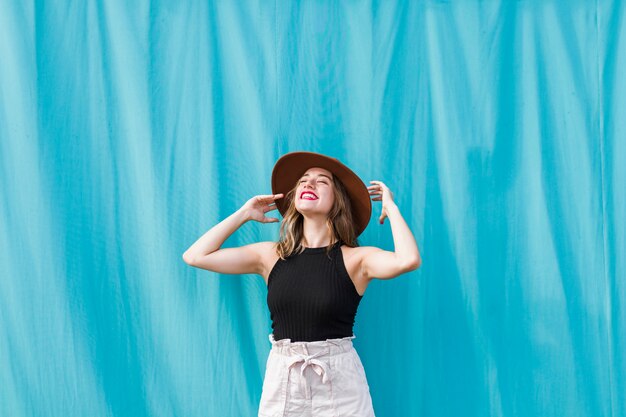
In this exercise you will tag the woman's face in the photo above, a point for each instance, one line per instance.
(315, 193)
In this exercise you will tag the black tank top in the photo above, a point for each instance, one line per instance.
(311, 297)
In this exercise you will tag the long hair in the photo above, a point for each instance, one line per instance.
(340, 223)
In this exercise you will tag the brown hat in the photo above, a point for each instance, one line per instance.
(291, 166)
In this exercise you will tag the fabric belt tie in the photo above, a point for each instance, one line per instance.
(320, 368)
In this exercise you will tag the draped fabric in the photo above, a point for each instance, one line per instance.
(128, 129)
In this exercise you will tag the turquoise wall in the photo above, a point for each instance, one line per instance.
(128, 129)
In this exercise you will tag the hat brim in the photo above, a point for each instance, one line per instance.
(290, 167)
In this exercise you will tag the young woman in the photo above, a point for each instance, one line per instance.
(316, 275)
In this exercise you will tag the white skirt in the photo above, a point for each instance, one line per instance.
(321, 378)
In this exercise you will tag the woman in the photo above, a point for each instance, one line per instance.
(316, 276)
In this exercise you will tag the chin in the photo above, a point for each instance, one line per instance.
(312, 213)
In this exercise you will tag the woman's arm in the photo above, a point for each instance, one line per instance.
(382, 264)
(404, 243)
(216, 236)
(205, 253)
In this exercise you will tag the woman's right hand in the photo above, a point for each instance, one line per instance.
(258, 205)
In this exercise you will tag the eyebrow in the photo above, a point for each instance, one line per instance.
(320, 175)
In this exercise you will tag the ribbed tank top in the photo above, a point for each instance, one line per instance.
(311, 297)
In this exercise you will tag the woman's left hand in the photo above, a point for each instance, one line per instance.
(384, 194)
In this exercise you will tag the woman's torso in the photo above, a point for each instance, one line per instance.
(351, 259)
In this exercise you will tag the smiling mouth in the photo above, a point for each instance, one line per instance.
(307, 195)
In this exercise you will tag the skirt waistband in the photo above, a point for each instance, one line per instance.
(318, 347)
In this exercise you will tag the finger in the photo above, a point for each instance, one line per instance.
(271, 196)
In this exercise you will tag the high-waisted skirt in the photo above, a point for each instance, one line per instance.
(321, 378)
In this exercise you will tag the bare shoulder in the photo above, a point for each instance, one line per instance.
(364, 250)
(377, 263)
(359, 252)
(355, 255)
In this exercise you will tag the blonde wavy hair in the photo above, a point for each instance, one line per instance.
(340, 223)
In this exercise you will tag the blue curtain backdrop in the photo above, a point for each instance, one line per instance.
(128, 129)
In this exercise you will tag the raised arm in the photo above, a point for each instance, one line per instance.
(205, 253)
(382, 264)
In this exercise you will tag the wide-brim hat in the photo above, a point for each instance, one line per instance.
(291, 166)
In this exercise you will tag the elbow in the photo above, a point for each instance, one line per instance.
(414, 264)
(188, 258)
